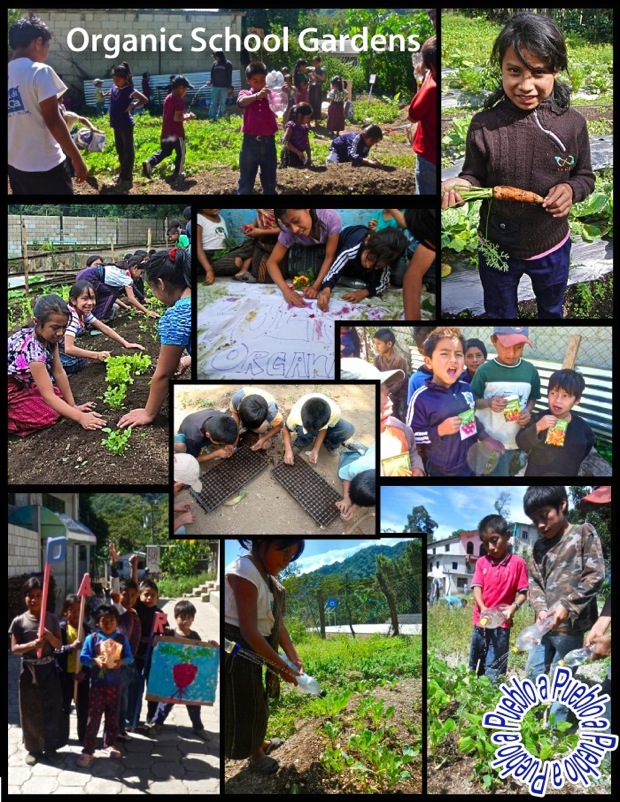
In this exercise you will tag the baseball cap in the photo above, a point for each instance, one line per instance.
(180, 80)
(355, 368)
(187, 470)
(512, 335)
(97, 81)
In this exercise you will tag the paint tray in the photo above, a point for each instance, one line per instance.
(229, 476)
(317, 497)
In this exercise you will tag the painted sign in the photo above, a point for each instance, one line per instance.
(183, 670)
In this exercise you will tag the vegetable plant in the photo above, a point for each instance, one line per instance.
(117, 440)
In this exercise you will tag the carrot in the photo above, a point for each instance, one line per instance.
(471, 193)
(514, 194)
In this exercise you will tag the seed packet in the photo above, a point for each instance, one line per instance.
(556, 434)
(512, 410)
(398, 465)
(468, 423)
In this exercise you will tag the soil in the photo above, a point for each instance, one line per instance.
(76, 456)
(590, 112)
(301, 770)
(266, 507)
(320, 179)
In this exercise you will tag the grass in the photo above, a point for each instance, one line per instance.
(345, 664)
(171, 587)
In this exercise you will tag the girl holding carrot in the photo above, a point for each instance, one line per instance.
(526, 137)
(254, 603)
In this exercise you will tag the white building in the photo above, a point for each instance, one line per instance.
(452, 560)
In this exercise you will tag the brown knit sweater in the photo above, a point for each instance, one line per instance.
(507, 146)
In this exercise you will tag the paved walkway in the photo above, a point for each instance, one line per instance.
(176, 762)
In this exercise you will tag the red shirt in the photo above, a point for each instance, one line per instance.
(500, 582)
(169, 127)
(258, 119)
(423, 110)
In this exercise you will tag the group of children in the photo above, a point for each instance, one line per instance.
(44, 354)
(367, 259)
(561, 578)
(461, 415)
(314, 420)
(113, 659)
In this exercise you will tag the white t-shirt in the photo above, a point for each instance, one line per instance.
(245, 568)
(213, 234)
(115, 277)
(32, 148)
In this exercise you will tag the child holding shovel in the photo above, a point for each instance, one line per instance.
(527, 137)
(44, 726)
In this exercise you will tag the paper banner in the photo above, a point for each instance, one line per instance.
(253, 334)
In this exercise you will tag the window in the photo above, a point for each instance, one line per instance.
(53, 503)
(470, 547)
(455, 566)
(524, 534)
(447, 548)
(437, 564)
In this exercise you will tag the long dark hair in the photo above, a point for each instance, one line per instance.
(538, 35)
(172, 266)
(279, 542)
(317, 224)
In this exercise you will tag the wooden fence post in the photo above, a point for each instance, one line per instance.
(572, 349)
(24, 233)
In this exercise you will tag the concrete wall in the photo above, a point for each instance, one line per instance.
(84, 230)
(23, 550)
(94, 64)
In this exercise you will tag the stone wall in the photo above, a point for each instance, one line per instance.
(94, 64)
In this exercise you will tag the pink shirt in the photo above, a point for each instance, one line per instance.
(258, 119)
(500, 582)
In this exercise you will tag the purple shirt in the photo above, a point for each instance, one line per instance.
(331, 224)
(299, 135)
(258, 119)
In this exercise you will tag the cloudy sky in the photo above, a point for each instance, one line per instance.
(452, 507)
(321, 552)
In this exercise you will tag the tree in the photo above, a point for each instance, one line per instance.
(502, 504)
(600, 518)
(419, 521)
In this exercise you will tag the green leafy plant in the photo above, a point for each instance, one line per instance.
(114, 395)
(117, 440)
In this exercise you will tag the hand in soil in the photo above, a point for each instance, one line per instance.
(150, 313)
(135, 345)
(259, 444)
(137, 417)
(288, 457)
(345, 509)
(90, 420)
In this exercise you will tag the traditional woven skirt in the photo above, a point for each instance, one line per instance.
(27, 411)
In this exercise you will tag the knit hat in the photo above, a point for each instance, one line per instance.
(187, 470)
(512, 335)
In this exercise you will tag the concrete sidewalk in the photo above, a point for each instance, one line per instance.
(176, 762)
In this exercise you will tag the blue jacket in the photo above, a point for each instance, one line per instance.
(430, 405)
(90, 650)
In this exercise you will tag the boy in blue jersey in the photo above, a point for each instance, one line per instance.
(441, 412)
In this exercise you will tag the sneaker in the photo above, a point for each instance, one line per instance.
(353, 445)
(85, 760)
(153, 730)
(147, 168)
(202, 734)
(111, 751)
(32, 758)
